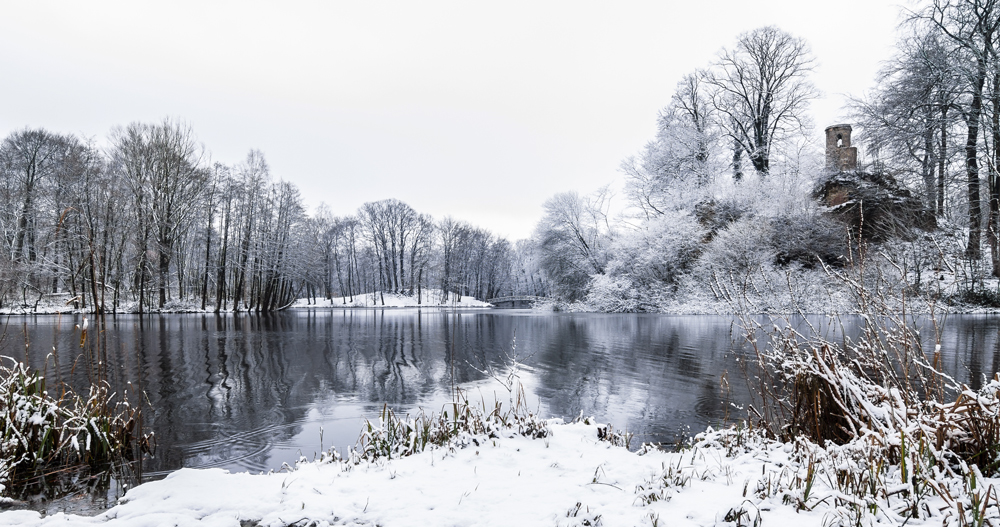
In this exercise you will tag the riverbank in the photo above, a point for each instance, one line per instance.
(62, 303)
(569, 478)
(774, 293)
(426, 298)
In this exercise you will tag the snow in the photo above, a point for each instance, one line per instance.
(427, 297)
(57, 303)
(63, 303)
(569, 478)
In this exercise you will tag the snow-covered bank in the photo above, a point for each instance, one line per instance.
(568, 478)
(427, 298)
(62, 303)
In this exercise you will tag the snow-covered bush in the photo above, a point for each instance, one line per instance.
(659, 252)
(740, 248)
(647, 264)
(609, 294)
(717, 214)
(807, 239)
(879, 433)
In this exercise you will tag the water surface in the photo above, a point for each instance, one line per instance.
(251, 392)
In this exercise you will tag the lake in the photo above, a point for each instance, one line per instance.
(254, 391)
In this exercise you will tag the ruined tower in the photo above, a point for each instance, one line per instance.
(840, 155)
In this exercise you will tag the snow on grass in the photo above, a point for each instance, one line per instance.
(63, 303)
(569, 478)
(426, 298)
(57, 303)
(44, 434)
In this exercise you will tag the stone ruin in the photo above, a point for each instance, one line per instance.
(840, 155)
(873, 204)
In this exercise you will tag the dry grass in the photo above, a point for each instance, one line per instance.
(458, 425)
(53, 438)
(43, 435)
(874, 420)
(461, 423)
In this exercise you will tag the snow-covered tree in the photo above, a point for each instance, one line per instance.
(573, 238)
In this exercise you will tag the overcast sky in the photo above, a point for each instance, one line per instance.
(472, 109)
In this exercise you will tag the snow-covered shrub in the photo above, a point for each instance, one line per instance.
(647, 264)
(715, 215)
(609, 294)
(659, 252)
(741, 247)
(889, 435)
(880, 435)
(807, 240)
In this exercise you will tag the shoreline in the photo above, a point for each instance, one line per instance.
(570, 477)
(948, 310)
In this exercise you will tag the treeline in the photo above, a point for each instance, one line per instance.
(148, 223)
(387, 246)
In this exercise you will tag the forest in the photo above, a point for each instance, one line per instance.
(732, 200)
(148, 224)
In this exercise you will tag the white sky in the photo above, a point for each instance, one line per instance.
(474, 109)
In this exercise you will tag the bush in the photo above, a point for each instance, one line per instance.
(879, 432)
(807, 240)
(615, 295)
(975, 297)
(742, 247)
(660, 252)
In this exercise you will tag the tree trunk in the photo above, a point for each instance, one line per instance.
(942, 159)
(993, 179)
(737, 160)
(927, 165)
(973, 250)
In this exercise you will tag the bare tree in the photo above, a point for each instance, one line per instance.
(573, 238)
(972, 26)
(674, 166)
(27, 158)
(162, 164)
(761, 91)
(906, 120)
(252, 175)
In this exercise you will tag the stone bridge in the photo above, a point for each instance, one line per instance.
(514, 299)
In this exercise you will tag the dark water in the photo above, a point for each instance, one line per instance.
(251, 392)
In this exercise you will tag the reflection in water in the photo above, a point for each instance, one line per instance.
(250, 392)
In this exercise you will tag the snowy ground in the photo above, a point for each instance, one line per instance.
(63, 303)
(428, 298)
(570, 478)
(46, 304)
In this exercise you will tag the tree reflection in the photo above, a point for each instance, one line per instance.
(227, 390)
